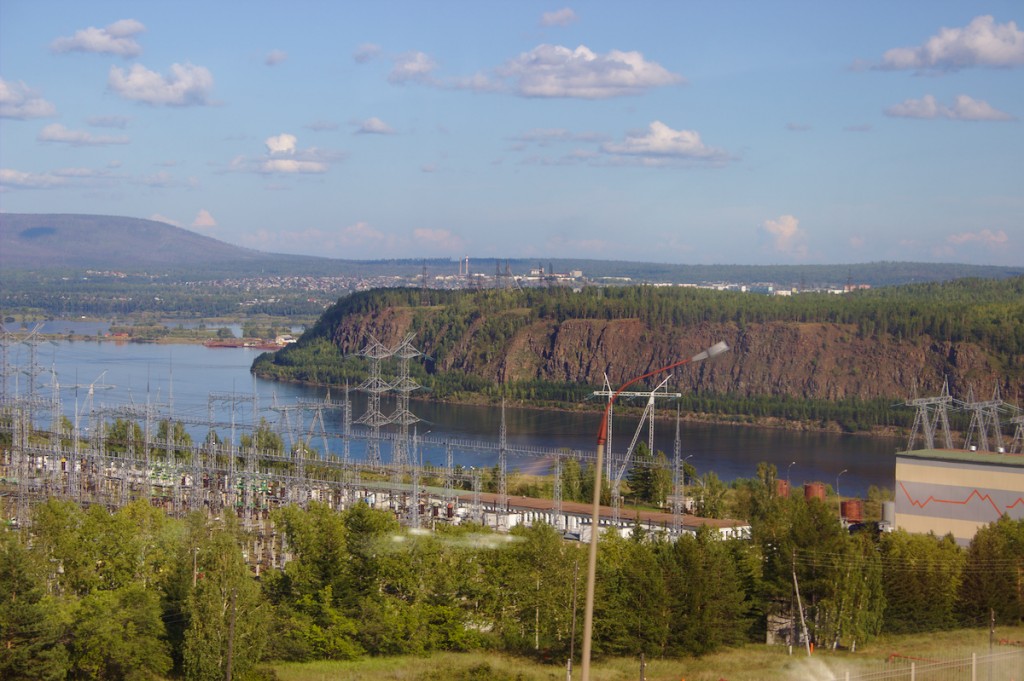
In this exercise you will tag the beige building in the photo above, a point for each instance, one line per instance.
(952, 491)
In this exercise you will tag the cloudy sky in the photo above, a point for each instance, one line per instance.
(683, 132)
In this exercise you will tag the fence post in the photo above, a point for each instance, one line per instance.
(913, 671)
(847, 675)
(974, 666)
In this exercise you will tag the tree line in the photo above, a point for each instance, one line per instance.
(133, 594)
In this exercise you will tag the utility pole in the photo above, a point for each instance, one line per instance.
(803, 623)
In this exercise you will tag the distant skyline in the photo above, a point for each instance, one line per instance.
(677, 132)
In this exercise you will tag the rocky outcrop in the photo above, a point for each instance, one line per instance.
(804, 360)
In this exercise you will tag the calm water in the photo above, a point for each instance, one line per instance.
(179, 379)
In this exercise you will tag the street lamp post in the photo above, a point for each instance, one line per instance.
(595, 520)
(791, 464)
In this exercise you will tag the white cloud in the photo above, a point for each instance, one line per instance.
(117, 38)
(17, 179)
(412, 67)
(438, 240)
(17, 100)
(374, 126)
(186, 85)
(661, 143)
(547, 71)
(562, 17)
(281, 144)
(365, 52)
(964, 108)
(284, 156)
(204, 220)
(985, 237)
(785, 236)
(292, 166)
(275, 57)
(556, 71)
(360, 234)
(55, 132)
(982, 43)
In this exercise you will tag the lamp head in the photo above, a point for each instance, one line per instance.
(715, 350)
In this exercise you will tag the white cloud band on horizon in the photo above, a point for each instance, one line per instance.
(985, 237)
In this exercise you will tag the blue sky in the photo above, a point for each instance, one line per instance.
(682, 132)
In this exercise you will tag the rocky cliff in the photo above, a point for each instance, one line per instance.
(778, 358)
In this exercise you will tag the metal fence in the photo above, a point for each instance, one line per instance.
(1001, 666)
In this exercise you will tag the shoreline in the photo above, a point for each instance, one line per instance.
(767, 422)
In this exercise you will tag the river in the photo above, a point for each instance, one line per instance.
(179, 379)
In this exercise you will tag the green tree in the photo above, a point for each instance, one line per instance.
(264, 439)
(536, 578)
(852, 608)
(119, 635)
(32, 625)
(710, 496)
(226, 612)
(922, 581)
(707, 602)
(124, 436)
(992, 576)
(631, 613)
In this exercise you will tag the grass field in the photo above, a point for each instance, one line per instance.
(748, 663)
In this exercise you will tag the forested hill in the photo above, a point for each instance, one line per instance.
(875, 346)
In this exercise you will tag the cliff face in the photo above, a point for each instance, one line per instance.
(805, 360)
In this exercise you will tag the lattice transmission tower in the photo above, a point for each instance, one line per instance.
(932, 415)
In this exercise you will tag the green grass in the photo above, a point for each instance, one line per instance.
(746, 663)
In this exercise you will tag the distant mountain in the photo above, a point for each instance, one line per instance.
(33, 241)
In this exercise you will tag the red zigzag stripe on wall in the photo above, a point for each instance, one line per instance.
(974, 494)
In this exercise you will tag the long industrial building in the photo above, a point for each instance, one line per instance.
(949, 491)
